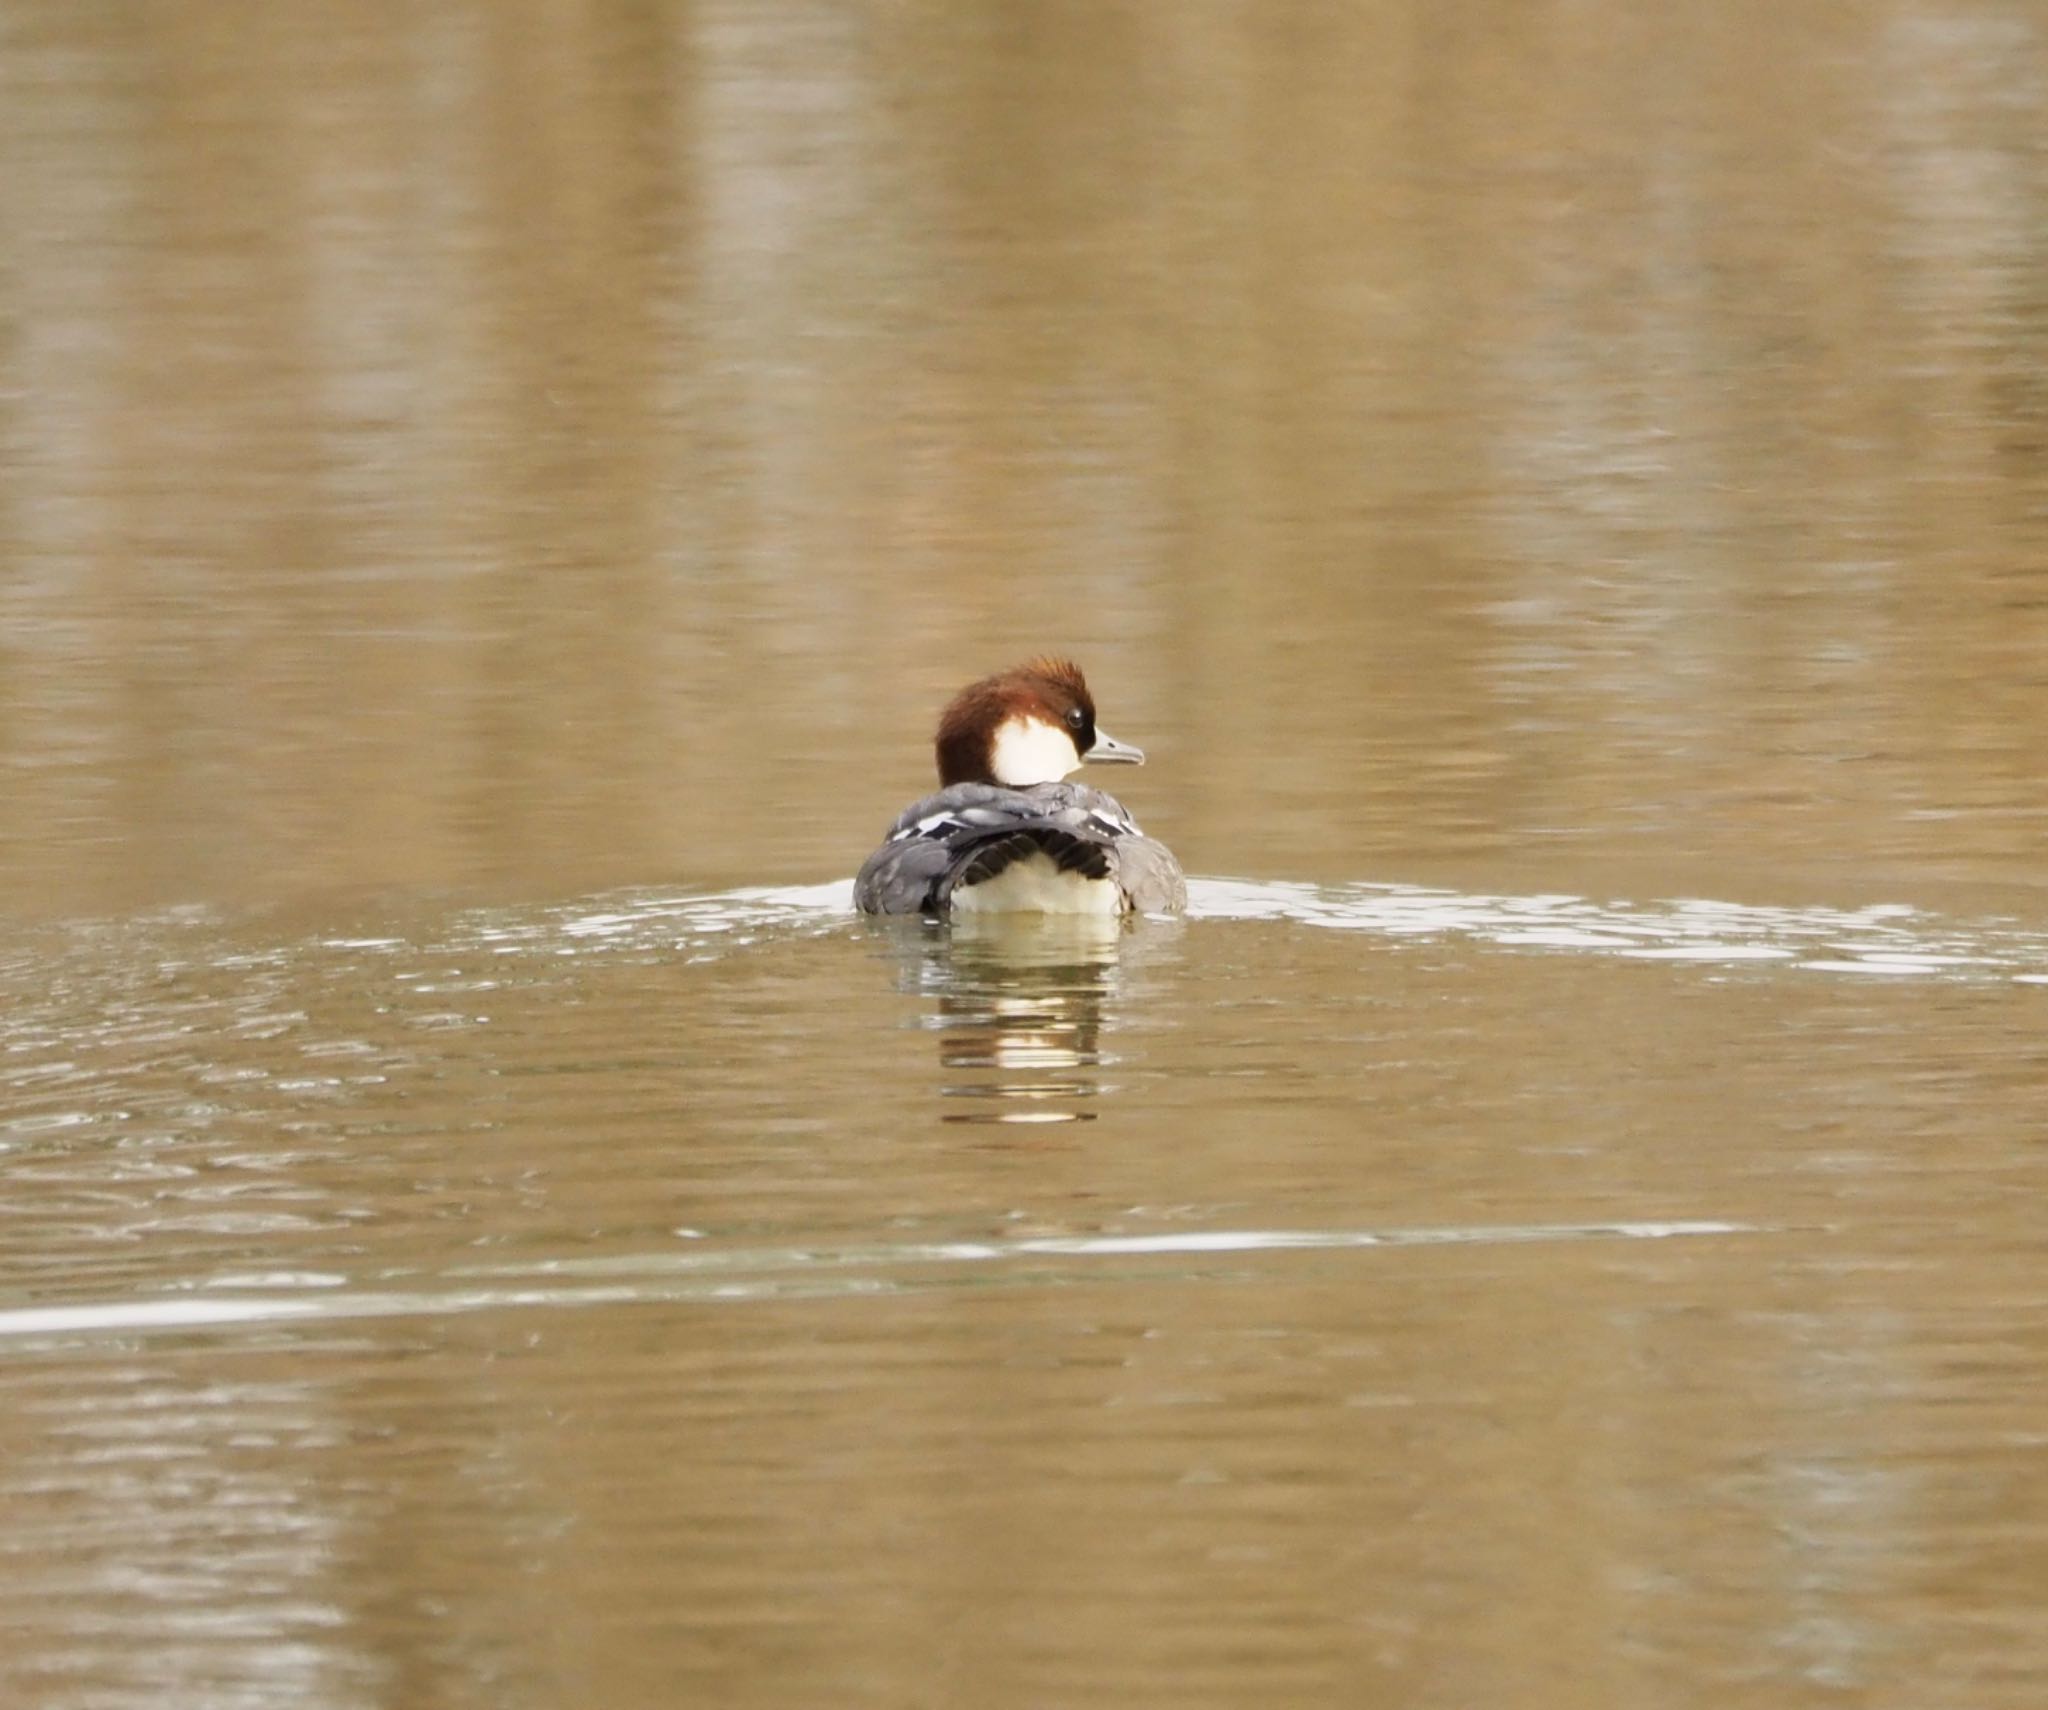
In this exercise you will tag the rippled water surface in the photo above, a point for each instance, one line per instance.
(490, 500)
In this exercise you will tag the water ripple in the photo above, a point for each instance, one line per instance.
(799, 1271)
(1885, 939)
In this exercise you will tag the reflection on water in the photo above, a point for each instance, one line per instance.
(1018, 1004)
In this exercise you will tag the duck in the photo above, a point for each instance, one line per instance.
(1006, 833)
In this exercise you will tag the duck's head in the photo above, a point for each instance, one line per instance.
(1032, 724)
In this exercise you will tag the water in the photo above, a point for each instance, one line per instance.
(489, 505)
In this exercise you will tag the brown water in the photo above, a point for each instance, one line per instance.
(490, 499)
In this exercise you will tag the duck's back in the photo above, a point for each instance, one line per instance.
(1050, 848)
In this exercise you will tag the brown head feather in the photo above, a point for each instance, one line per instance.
(1050, 668)
(1044, 687)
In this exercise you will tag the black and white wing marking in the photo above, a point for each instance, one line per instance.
(968, 831)
(950, 824)
(1098, 814)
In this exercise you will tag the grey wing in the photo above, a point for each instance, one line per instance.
(905, 875)
(1151, 878)
(901, 877)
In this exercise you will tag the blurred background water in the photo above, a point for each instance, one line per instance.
(491, 499)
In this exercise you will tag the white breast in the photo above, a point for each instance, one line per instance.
(1035, 885)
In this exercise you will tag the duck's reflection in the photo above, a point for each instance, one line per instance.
(1018, 1003)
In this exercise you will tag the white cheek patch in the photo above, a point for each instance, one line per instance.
(1029, 751)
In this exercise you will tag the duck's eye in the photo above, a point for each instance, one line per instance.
(1076, 719)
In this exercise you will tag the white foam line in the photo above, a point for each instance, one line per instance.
(873, 1255)
(1331, 1240)
(161, 1317)
(1881, 938)
(777, 1273)
(1884, 938)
